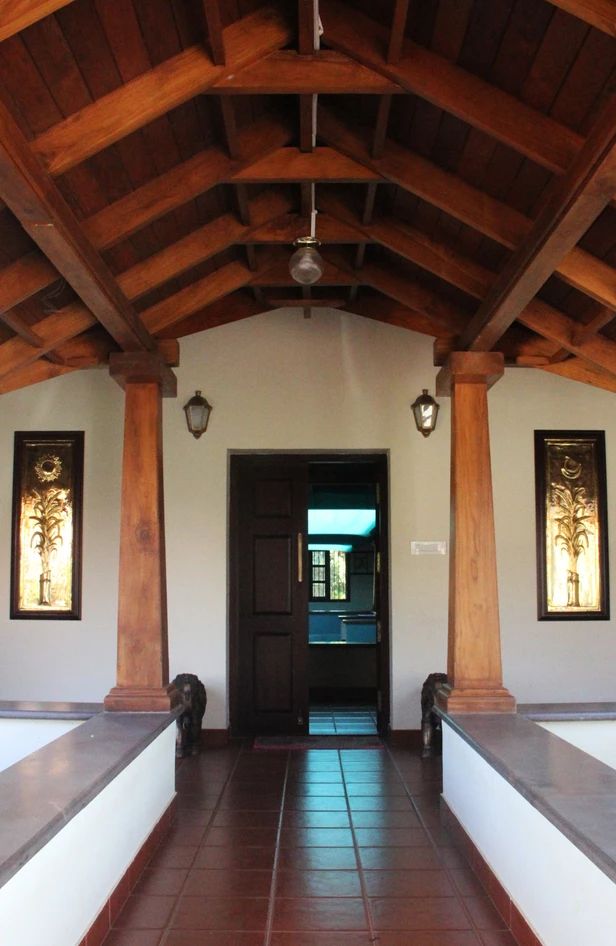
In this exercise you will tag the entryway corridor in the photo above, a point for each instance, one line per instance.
(308, 848)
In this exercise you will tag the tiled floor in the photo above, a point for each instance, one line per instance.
(308, 848)
(342, 721)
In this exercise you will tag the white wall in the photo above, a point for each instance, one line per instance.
(20, 737)
(280, 382)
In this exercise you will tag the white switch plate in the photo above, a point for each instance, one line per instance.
(428, 548)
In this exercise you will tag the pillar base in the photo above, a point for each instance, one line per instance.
(475, 699)
(142, 699)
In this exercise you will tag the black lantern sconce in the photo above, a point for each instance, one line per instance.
(425, 411)
(197, 412)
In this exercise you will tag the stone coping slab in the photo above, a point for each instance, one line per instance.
(31, 709)
(42, 792)
(561, 712)
(573, 790)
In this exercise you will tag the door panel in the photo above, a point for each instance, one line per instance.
(270, 624)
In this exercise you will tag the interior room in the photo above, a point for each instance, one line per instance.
(307, 367)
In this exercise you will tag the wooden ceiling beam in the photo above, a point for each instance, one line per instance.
(17, 15)
(598, 13)
(476, 281)
(286, 72)
(434, 78)
(44, 214)
(574, 203)
(290, 165)
(33, 272)
(234, 307)
(41, 370)
(52, 331)
(575, 369)
(381, 308)
(466, 203)
(215, 32)
(396, 32)
(173, 82)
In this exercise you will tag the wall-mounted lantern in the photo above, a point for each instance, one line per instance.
(425, 410)
(197, 412)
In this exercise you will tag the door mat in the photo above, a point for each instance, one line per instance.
(317, 742)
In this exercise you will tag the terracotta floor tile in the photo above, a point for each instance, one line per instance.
(316, 776)
(484, 913)
(159, 881)
(145, 912)
(228, 883)
(330, 789)
(316, 819)
(391, 837)
(230, 818)
(248, 802)
(185, 834)
(317, 858)
(316, 837)
(493, 938)
(342, 913)
(240, 837)
(241, 858)
(205, 938)
(399, 858)
(381, 788)
(466, 882)
(427, 938)
(174, 856)
(316, 938)
(379, 803)
(134, 938)
(194, 816)
(315, 803)
(408, 883)
(216, 913)
(318, 883)
(419, 913)
(385, 819)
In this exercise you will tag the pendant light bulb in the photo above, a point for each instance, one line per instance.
(306, 264)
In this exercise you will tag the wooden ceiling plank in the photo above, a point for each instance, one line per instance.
(285, 72)
(167, 86)
(232, 308)
(575, 201)
(598, 13)
(44, 214)
(384, 309)
(451, 88)
(213, 22)
(559, 328)
(17, 15)
(467, 204)
(25, 276)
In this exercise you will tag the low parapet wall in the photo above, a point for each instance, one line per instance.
(541, 814)
(73, 815)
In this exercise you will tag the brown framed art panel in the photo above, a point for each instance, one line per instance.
(47, 525)
(571, 521)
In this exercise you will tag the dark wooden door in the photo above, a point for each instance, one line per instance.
(269, 592)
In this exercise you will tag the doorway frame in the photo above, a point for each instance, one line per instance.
(381, 461)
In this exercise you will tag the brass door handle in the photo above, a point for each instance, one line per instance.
(300, 557)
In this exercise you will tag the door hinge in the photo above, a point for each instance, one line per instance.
(378, 494)
(378, 563)
(378, 632)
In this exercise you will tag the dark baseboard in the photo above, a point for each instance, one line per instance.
(110, 912)
(404, 738)
(516, 924)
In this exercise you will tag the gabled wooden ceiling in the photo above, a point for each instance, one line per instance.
(157, 157)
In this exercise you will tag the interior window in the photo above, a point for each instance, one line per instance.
(329, 575)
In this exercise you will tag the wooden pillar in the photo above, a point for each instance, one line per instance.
(143, 658)
(474, 656)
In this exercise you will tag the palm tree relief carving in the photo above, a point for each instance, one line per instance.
(573, 514)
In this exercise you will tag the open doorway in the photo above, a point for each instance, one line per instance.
(343, 613)
(308, 594)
